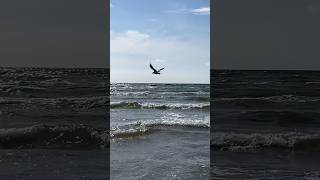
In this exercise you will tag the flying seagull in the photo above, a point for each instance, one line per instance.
(154, 70)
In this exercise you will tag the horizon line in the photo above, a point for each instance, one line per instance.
(54, 67)
(155, 83)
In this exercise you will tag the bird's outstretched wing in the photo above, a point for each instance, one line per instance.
(160, 69)
(152, 68)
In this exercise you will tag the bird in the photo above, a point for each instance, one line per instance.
(154, 70)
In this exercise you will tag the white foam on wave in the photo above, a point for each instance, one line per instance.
(139, 93)
(176, 105)
(167, 120)
(156, 105)
(234, 141)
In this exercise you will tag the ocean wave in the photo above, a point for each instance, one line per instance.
(20, 90)
(63, 102)
(56, 81)
(282, 99)
(140, 128)
(84, 103)
(282, 117)
(234, 141)
(139, 93)
(312, 82)
(137, 105)
(133, 130)
(114, 86)
(53, 136)
(6, 101)
(197, 98)
(186, 93)
(28, 73)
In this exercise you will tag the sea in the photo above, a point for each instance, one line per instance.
(159, 131)
(54, 123)
(265, 124)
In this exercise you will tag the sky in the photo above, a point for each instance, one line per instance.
(174, 34)
(53, 33)
(267, 34)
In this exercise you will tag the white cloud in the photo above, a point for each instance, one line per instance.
(132, 51)
(141, 44)
(131, 42)
(201, 11)
(136, 36)
(197, 11)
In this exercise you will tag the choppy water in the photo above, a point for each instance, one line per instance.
(160, 131)
(50, 108)
(269, 118)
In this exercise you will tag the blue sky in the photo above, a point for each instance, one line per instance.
(174, 34)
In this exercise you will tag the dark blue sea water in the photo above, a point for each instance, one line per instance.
(53, 123)
(265, 124)
(160, 131)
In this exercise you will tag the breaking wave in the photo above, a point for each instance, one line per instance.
(233, 141)
(136, 105)
(139, 93)
(139, 128)
(43, 136)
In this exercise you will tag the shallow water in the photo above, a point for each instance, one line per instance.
(165, 154)
(160, 131)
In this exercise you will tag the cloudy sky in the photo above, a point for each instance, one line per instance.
(174, 34)
(267, 34)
